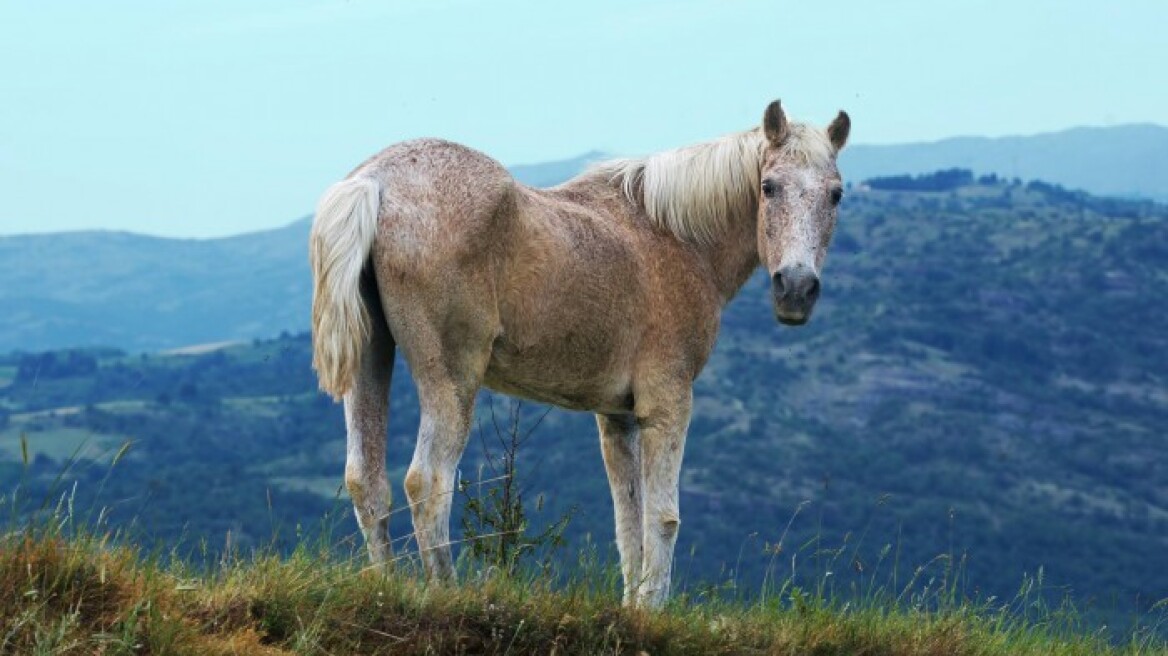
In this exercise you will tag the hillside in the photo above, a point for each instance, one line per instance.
(79, 595)
(1124, 160)
(982, 388)
(146, 294)
(150, 293)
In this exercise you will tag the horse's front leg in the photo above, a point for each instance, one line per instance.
(663, 423)
(619, 443)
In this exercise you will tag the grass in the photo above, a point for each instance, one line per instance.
(69, 586)
(69, 591)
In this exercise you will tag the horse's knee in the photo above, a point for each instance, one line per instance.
(364, 470)
(417, 485)
(371, 498)
(357, 488)
(668, 523)
(670, 527)
(359, 479)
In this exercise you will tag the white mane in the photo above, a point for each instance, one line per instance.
(695, 191)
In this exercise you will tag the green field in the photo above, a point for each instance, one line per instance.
(59, 444)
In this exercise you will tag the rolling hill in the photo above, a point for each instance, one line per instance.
(983, 388)
(148, 294)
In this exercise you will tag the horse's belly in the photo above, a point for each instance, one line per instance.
(547, 378)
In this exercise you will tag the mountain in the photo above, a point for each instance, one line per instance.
(548, 174)
(148, 294)
(1125, 160)
(981, 394)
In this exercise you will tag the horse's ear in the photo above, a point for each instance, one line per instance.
(774, 123)
(838, 131)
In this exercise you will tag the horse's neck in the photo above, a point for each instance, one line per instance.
(730, 258)
(733, 257)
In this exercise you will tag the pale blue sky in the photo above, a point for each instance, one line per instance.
(213, 118)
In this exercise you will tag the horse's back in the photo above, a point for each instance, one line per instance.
(440, 200)
(556, 283)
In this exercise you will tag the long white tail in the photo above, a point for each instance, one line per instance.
(342, 235)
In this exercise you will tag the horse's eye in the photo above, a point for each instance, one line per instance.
(836, 195)
(769, 188)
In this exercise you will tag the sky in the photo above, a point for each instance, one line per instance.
(204, 119)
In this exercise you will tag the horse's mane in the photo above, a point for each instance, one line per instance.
(694, 191)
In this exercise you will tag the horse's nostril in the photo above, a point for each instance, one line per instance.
(813, 289)
(796, 284)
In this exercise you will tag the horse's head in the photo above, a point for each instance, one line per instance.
(801, 190)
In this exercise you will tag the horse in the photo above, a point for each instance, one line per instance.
(602, 294)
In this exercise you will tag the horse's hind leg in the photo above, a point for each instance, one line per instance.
(366, 416)
(448, 360)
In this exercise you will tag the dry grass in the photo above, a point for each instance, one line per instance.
(84, 595)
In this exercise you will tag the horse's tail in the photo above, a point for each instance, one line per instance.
(339, 244)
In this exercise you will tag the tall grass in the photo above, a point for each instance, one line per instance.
(70, 585)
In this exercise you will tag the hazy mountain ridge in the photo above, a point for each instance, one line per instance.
(139, 292)
(149, 293)
(1125, 160)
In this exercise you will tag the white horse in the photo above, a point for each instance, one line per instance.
(601, 294)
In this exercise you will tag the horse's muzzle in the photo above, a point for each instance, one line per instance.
(795, 289)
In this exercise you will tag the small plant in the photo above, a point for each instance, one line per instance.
(494, 520)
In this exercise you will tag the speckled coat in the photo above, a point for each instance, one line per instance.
(602, 294)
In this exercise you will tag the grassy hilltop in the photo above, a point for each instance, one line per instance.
(83, 595)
